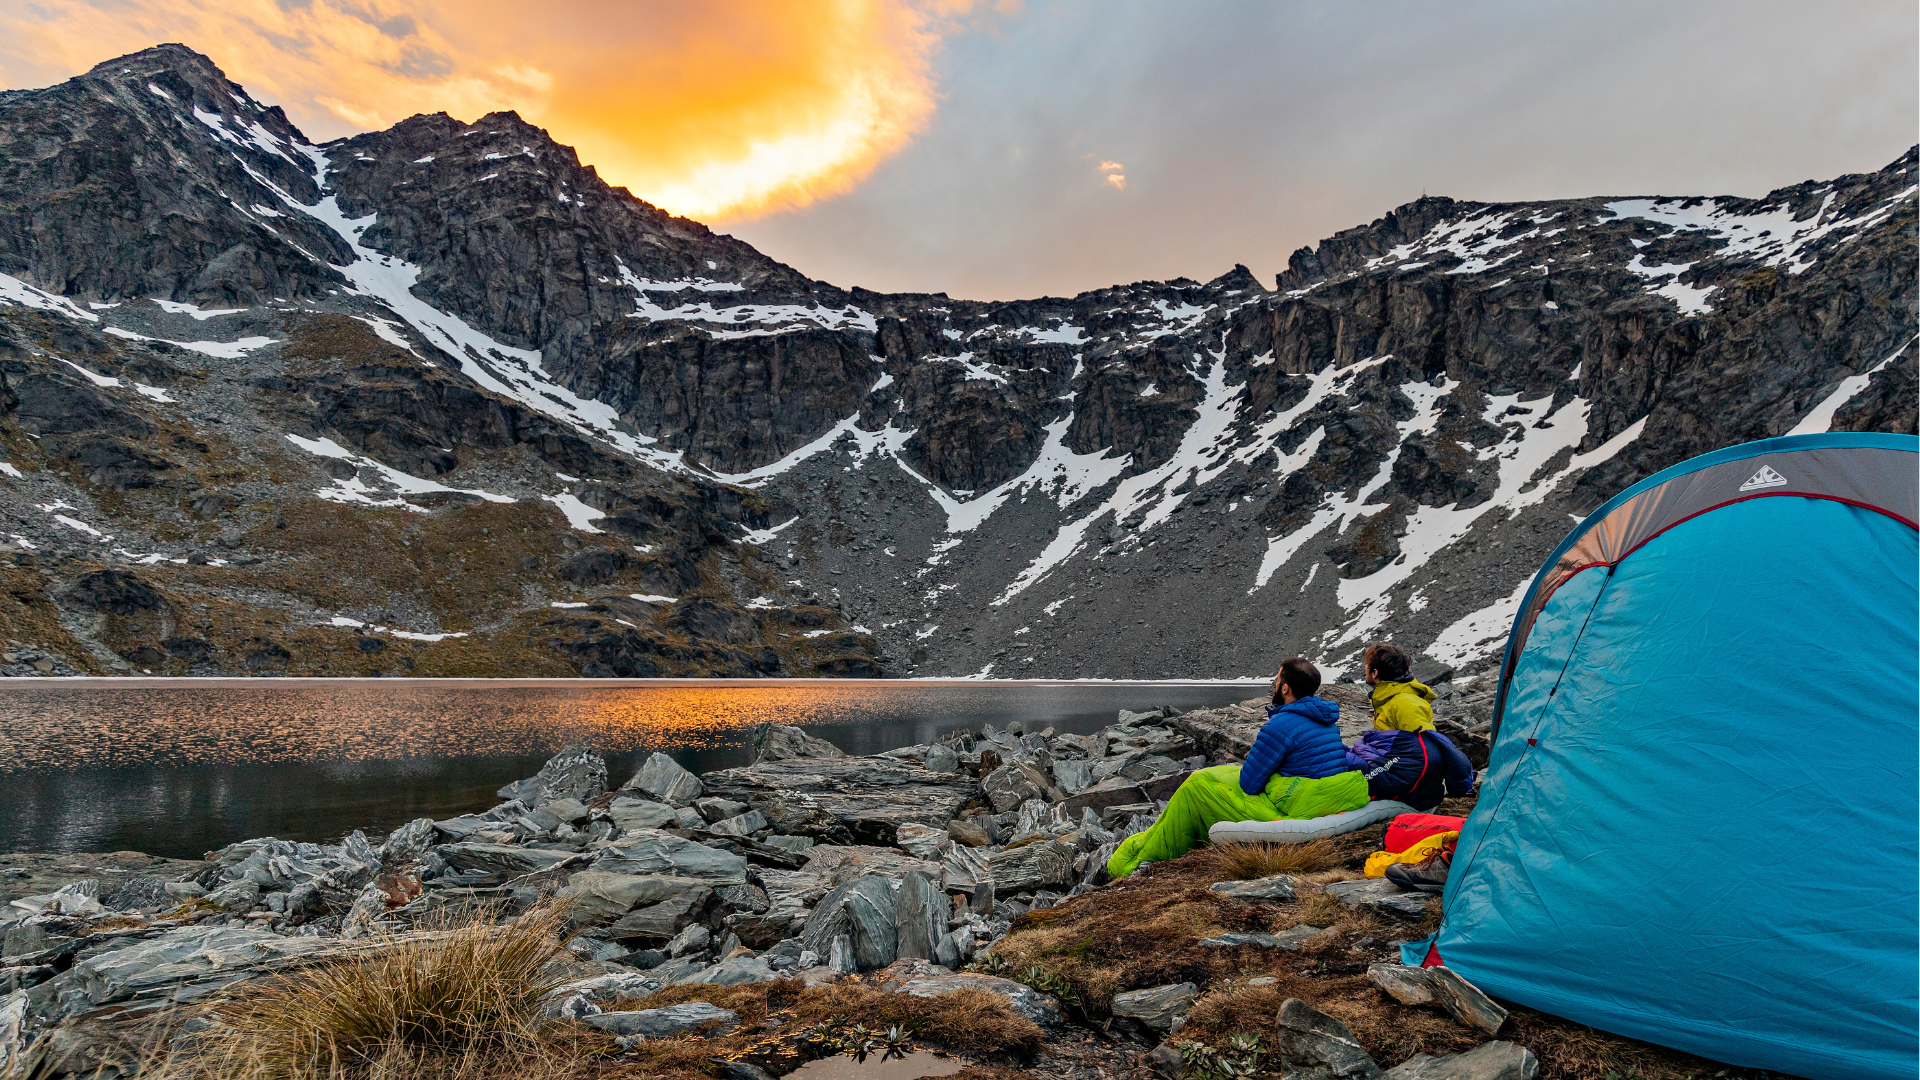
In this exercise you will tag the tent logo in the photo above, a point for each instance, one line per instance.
(1765, 478)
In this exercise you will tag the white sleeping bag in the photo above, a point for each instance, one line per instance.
(1301, 830)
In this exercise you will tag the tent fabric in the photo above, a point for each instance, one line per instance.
(1698, 827)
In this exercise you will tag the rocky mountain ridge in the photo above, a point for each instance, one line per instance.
(439, 400)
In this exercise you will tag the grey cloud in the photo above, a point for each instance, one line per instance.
(1250, 130)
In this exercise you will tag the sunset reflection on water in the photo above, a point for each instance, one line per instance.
(180, 767)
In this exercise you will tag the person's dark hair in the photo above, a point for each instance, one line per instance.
(1389, 661)
(1300, 677)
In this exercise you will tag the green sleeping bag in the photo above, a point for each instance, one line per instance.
(1214, 794)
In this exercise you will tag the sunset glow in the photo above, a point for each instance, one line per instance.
(710, 111)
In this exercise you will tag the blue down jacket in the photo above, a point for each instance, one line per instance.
(1418, 768)
(1301, 739)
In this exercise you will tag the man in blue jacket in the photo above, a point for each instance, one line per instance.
(1302, 734)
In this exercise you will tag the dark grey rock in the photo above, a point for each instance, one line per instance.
(1488, 1061)
(1156, 1008)
(633, 815)
(1037, 865)
(1038, 1007)
(596, 896)
(1318, 1047)
(1382, 897)
(1013, 784)
(663, 920)
(1278, 888)
(719, 809)
(921, 911)
(862, 910)
(663, 780)
(651, 852)
(739, 971)
(941, 759)
(672, 1020)
(847, 799)
(783, 742)
(505, 859)
(574, 773)
(744, 825)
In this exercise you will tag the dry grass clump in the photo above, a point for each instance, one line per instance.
(1249, 862)
(444, 1003)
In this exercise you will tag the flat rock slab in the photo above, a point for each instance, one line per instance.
(654, 852)
(507, 859)
(598, 896)
(1382, 897)
(845, 800)
(1157, 1007)
(1287, 939)
(1278, 887)
(31, 874)
(1489, 1061)
(1028, 1002)
(672, 1020)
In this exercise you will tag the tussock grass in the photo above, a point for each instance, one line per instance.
(1249, 862)
(444, 1003)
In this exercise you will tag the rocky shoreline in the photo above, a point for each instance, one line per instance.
(903, 869)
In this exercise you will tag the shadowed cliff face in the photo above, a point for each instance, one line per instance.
(441, 380)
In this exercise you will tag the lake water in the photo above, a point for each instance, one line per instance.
(179, 767)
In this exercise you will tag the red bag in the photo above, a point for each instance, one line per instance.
(1409, 829)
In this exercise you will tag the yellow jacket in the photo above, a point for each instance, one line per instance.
(1403, 706)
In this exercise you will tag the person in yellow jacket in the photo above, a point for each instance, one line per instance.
(1399, 702)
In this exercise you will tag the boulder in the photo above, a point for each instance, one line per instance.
(672, 1020)
(1318, 1047)
(921, 911)
(571, 811)
(1488, 1061)
(694, 939)
(941, 759)
(1382, 897)
(862, 910)
(1279, 888)
(407, 843)
(1155, 1009)
(663, 920)
(663, 780)
(632, 815)
(964, 869)
(652, 852)
(575, 773)
(506, 859)
(1012, 784)
(845, 800)
(1038, 865)
(597, 896)
(1072, 775)
(1028, 1002)
(784, 742)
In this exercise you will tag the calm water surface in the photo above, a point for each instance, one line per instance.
(179, 767)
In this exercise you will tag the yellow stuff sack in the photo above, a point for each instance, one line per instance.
(1378, 862)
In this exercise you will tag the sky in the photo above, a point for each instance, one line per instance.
(997, 149)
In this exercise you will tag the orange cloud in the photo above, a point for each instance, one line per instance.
(714, 111)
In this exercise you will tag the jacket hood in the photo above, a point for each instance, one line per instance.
(1310, 708)
(1388, 690)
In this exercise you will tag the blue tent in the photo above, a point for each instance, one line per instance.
(1699, 823)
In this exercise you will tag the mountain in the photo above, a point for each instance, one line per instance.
(438, 400)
